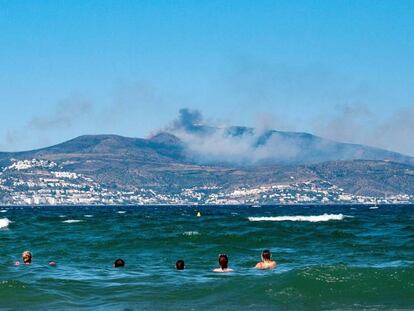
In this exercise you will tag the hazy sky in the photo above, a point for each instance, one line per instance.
(340, 69)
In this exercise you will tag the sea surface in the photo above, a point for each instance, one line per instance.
(329, 257)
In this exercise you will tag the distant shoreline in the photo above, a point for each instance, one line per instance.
(207, 205)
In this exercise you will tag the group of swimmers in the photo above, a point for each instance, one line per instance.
(266, 263)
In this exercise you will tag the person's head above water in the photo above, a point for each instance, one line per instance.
(224, 264)
(119, 263)
(223, 261)
(27, 257)
(266, 255)
(180, 264)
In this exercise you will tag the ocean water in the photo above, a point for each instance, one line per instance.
(329, 257)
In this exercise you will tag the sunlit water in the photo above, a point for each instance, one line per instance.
(347, 257)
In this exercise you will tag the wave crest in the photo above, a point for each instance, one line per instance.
(312, 218)
(71, 221)
(4, 222)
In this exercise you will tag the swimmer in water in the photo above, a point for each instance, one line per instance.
(179, 265)
(267, 262)
(119, 263)
(224, 264)
(26, 258)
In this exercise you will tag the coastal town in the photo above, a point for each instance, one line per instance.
(41, 182)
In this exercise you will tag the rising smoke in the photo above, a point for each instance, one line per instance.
(208, 142)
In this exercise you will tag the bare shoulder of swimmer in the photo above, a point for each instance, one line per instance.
(222, 270)
(259, 265)
(272, 264)
(266, 265)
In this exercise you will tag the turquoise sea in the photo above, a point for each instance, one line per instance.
(344, 258)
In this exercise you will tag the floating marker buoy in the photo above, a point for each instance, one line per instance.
(198, 214)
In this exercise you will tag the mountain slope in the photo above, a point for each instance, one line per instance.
(163, 164)
(259, 148)
(243, 145)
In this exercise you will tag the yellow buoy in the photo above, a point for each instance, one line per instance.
(198, 214)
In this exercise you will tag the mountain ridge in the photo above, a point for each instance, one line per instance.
(162, 164)
(310, 149)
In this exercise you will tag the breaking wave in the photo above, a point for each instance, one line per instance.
(312, 218)
(71, 221)
(190, 233)
(4, 222)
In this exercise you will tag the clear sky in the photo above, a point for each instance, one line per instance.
(340, 69)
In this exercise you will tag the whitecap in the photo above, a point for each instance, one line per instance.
(4, 222)
(3, 211)
(189, 233)
(71, 221)
(88, 216)
(121, 212)
(62, 216)
(374, 207)
(312, 218)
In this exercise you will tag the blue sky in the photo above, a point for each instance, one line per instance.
(340, 69)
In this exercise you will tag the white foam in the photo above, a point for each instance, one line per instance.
(189, 233)
(121, 212)
(71, 221)
(4, 222)
(88, 216)
(312, 218)
(3, 211)
(374, 207)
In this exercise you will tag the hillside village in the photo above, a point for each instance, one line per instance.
(42, 182)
